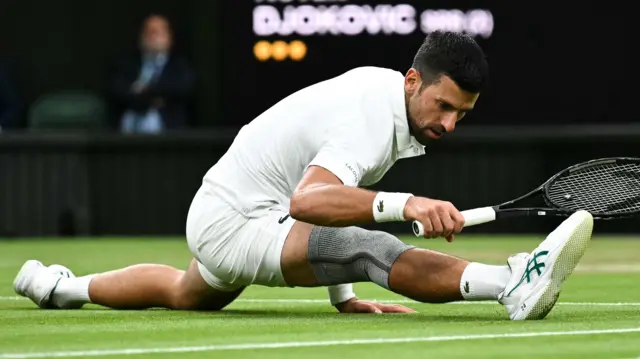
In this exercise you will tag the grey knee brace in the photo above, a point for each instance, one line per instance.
(352, 254)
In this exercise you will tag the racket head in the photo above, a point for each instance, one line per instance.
(608, 188)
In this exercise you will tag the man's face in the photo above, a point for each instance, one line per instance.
(156, 36)
(436, 108)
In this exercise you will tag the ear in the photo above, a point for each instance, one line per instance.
(412, 81)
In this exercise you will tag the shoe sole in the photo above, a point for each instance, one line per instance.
(569, 257)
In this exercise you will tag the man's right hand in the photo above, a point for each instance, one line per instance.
(439, 218)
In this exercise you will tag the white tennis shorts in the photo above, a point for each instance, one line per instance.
(232, 250)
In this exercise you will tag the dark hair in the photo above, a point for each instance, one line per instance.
(455, 55)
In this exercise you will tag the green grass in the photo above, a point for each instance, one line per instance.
(603, 294)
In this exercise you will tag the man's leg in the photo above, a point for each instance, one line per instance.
(419, 274)
(209, 221)
(528, 286)
(135, 287)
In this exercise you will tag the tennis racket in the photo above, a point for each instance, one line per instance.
(608, 188)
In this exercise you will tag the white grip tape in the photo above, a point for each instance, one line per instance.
(472, 217)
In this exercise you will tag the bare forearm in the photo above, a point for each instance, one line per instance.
(333, 205)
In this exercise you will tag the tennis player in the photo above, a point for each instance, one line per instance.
(282, 207)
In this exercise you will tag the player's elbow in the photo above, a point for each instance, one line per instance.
(308, 203)
(298, 207)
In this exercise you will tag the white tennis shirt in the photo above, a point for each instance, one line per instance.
(354, 125)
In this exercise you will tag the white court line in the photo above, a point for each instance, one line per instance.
(247, 346)
(405, 301)
(398, 301)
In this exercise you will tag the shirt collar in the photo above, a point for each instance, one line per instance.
(406, 145)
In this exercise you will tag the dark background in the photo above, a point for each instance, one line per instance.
(563, 90)
(552, 62)
(68, 44)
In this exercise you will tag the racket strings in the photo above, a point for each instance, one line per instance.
(611, 188)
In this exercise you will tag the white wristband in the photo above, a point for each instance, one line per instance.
(389, 207)
(340, 293)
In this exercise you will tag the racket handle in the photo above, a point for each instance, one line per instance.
(472, 217)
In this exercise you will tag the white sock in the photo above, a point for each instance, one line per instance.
(483, 282)
(72, 293)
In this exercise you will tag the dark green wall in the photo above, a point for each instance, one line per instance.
(109, 184)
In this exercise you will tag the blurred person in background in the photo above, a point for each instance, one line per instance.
(150, 89)
(9, 103)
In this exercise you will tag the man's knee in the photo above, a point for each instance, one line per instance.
(192, 292)
(210, 301)
(352, 254)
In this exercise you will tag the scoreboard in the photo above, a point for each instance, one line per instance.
(351, 20)
(541, 55)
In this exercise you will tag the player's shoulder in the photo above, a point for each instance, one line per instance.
(377, 85)
(379, 89)
(373, 74)
(369, 81)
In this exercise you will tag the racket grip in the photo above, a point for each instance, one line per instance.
(472, 217)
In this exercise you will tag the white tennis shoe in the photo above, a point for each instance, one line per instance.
(37, 282)
(537, 277)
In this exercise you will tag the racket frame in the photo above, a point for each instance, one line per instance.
(502, 211)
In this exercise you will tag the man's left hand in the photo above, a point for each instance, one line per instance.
(355, 305)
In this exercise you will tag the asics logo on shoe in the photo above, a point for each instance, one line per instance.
(532, 265)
